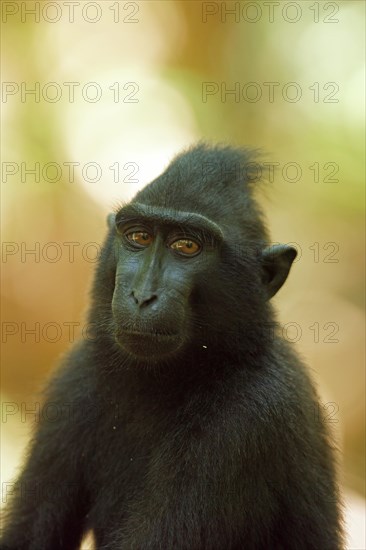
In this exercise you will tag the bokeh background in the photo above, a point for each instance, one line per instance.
(96, 99)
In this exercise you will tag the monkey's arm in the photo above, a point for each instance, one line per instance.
(309, 516)
(47, 504)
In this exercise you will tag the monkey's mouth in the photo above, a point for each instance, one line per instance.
(150, 333)
(149, 343)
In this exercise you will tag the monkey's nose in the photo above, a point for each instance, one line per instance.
(143, 299)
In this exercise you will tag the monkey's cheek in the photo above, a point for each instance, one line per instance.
(150, 346)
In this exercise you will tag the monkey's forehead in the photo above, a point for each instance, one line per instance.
(162, 215)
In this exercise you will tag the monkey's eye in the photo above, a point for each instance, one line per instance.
(140, 239)
(186, 247)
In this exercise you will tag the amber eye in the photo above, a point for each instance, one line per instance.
(186, 247)
(139, 238)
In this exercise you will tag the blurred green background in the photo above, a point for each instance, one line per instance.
(96, 99)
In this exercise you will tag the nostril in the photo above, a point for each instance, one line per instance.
(148, 301)
(134, 297)
(143, 300)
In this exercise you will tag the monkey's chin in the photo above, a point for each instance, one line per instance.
(149, 345)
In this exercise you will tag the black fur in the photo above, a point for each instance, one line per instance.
(201, 431)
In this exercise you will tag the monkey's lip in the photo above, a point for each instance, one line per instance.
(149, 344)
(149, 333)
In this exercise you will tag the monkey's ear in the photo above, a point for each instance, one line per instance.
(111, 218)
(276, 260)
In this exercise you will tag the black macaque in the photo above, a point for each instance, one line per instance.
(184, 421)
